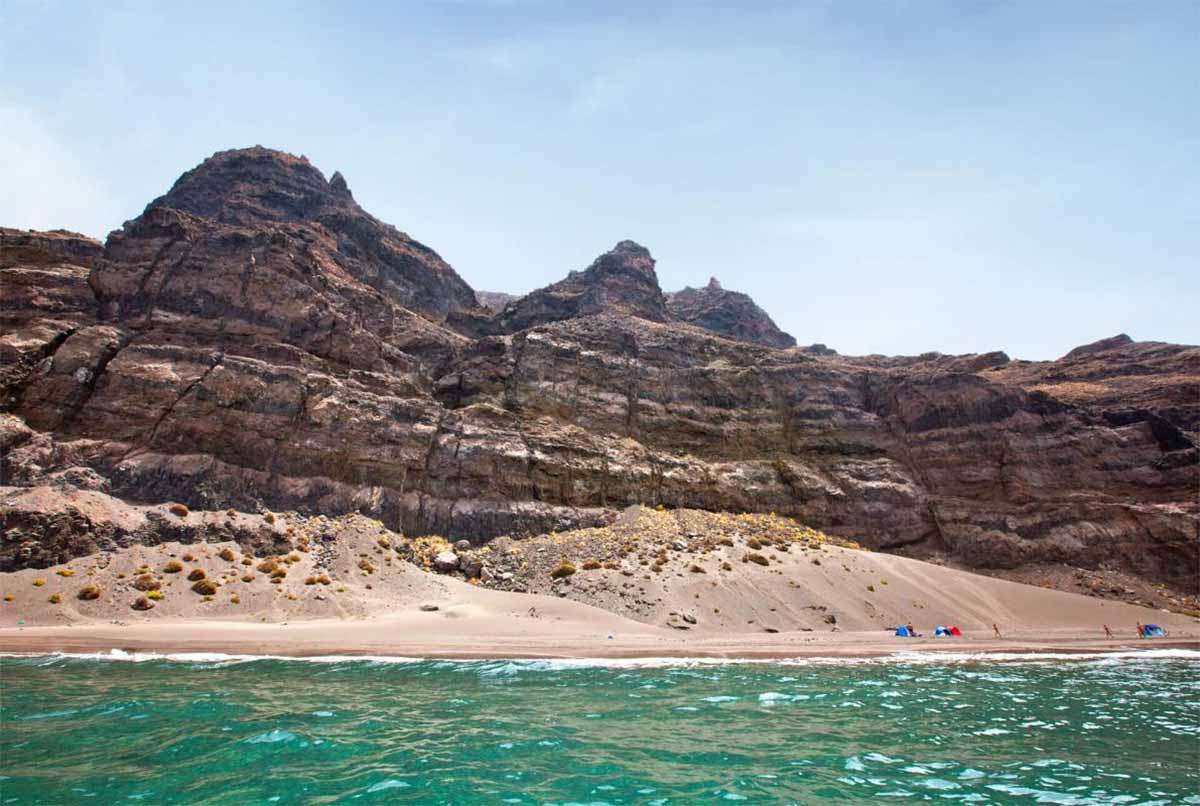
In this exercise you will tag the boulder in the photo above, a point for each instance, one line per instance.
(445, 562)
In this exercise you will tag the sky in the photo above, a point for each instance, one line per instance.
(882, 177)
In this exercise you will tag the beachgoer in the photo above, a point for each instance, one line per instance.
(912, 631)
(1107, 632)
(1141, 630)
(996, 630)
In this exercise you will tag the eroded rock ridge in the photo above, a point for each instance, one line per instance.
(255, 339)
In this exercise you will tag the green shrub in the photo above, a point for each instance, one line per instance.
(145, 582)
(205, 587)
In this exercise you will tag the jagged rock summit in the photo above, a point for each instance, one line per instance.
(268, 195)
(621, 280)
(729, 313)
(256, 340)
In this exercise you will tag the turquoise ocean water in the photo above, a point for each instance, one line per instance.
(230, 731)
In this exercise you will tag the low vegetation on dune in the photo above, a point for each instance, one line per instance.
(205, 587)
(565, 569)
(146, 582)
(89, 592)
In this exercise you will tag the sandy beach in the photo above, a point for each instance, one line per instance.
(402, 637)
(735, 588)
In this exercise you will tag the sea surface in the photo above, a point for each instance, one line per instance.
(228, 730)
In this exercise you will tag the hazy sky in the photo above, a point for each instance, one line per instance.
(889, 177)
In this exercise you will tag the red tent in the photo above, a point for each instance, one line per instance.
(954, 630)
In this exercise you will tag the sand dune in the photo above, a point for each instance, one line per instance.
(354, 594)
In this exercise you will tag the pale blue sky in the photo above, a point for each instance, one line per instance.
(888, 177)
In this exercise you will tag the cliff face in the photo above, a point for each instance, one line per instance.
(255, 339)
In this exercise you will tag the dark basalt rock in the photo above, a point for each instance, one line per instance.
(621, 280)
(729, 313)
(255, 339)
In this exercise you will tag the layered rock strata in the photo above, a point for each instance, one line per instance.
(254, 339)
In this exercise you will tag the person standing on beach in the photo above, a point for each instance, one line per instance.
(1107, 632)
(1141, 630)
(996, 630)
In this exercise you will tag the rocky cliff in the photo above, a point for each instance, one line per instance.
(729, 313)
(254, 339)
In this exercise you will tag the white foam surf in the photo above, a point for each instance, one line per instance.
(564, 664)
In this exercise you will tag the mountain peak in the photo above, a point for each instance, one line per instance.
(626, 256)
(622, 279)
(261, 190)
(729, 313)
(337, 183)
(247, 186)
(1119, 340)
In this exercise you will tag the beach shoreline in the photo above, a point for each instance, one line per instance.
(356, 597)
(395, 638)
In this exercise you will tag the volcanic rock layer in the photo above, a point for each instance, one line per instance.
(255, 339)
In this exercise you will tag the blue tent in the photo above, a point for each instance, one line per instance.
(940, 630)
(903, 632)
(1153, 631)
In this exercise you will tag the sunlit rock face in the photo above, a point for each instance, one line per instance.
(255, 339)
